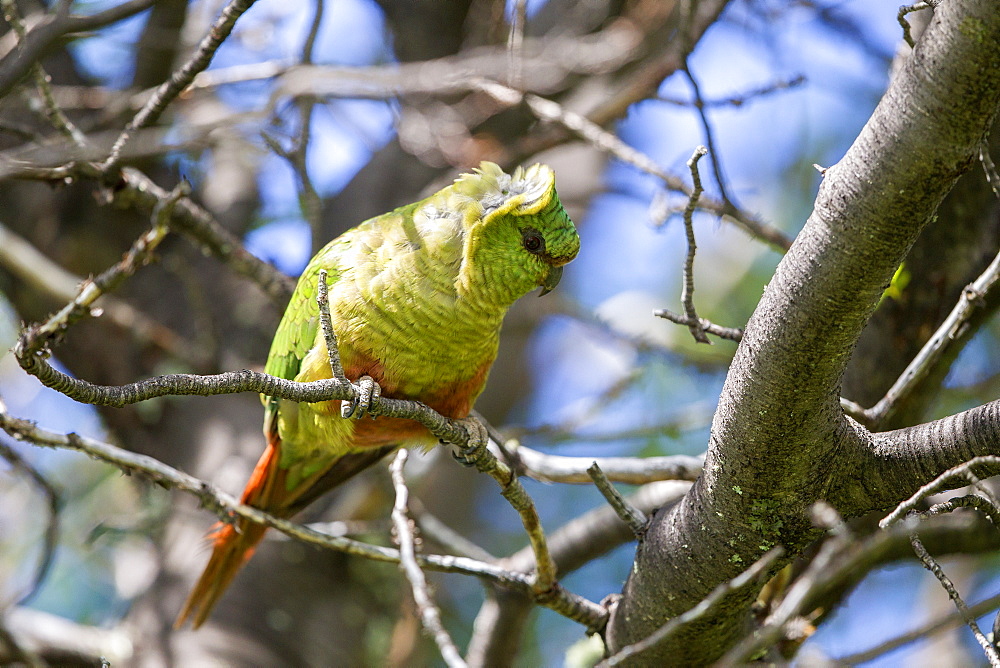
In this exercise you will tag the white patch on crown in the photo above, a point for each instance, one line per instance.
(495, 187)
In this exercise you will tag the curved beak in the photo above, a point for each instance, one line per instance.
(551, 280)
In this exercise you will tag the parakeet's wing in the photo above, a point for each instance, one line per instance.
(296, 333)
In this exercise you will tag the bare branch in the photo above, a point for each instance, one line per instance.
(687, 293)
(931, 564)
(330, 337)
(515, 45)
(706, 126)
(950, 330)
(632, 516)
(939, 484)
(430, 616)
(475, 452)
(702, 324)
(226, 506)
(180, 79)
(629, 470)
(909, 9)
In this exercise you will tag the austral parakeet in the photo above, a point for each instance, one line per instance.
(417, 297)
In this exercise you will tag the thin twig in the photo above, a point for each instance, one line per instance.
(986, 506)
(909, 9)
(687, 292)
(702, 324)
(515, 45)
(940, 483)
(973, 296)
(180, 79)
(632, 516)
(931, 564)
(430, 616)
(757, 571)
(740, 99)
(699, 105)
(329, 336)
(475, 451)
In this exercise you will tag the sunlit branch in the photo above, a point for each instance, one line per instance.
(931, 564)
(703, 324)
(973, 296)
(632, 516)
(430, 615)
(630, 470)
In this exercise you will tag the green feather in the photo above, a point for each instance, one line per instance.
(422, 292)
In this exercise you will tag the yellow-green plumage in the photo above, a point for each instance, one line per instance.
(417, 297)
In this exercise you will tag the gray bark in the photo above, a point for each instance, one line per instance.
(780, 441)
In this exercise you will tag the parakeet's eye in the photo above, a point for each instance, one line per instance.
(532, 241)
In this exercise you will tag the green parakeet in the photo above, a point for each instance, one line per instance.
(417, 297)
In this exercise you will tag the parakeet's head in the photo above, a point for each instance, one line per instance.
(518, 236)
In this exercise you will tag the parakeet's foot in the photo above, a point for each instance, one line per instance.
(470, 453)
(368, 392)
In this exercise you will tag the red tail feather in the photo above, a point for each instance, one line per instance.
(233, 543)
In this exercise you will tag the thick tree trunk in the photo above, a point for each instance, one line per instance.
(779, 440)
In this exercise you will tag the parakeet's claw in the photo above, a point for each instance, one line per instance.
(469, 454)
(367, 392)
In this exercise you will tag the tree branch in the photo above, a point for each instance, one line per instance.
(226, 506)
(779, 414)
